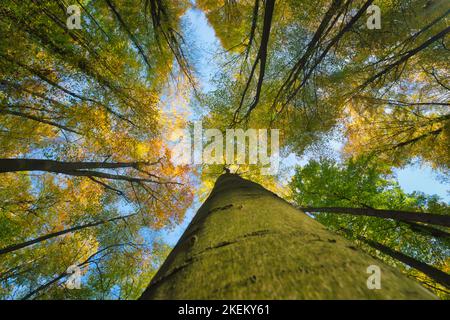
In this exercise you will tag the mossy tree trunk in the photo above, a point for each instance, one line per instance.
(247, 243)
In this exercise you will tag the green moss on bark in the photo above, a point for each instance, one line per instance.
(247, 243)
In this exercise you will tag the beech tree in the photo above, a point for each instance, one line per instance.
(247, 243)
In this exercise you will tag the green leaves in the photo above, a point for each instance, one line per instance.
(367, 183)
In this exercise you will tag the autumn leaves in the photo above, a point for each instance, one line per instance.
(84, 166)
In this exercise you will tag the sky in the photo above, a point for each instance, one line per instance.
(206, 45)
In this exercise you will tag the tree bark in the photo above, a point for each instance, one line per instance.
(14, 165)
(432, 272)
(431, 218)
(80, 169)
(247, 243)
(427, 230)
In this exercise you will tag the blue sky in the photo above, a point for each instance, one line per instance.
(206, 45)
(422, 178)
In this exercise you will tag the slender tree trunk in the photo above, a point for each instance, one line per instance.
(79, 169)
(14, 165)
(64, 274)
(384, 214)
(427, 230)
(38, 119)
(431, 218)
(432, 272)
(25, 244)
(247, 243)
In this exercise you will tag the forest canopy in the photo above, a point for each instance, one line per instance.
(87, 172)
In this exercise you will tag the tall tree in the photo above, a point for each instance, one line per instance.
(247, 243)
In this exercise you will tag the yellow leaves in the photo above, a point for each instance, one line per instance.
(82, 193)
(446, 266)
(20, 135)
(205, 188)
(14, 196)
(62, 218)
(93, 84)
(142, 151)
(41, 55)
(87, 246)
(398, 134)
(437, 288)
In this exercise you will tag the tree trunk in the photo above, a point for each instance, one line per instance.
(28, 243)
(78, 169)
(404, 217)
(38, 119)
(14, 165)
(427, 230)
(431, 218)
(64, 274)
(432, 272)
(247, 243)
